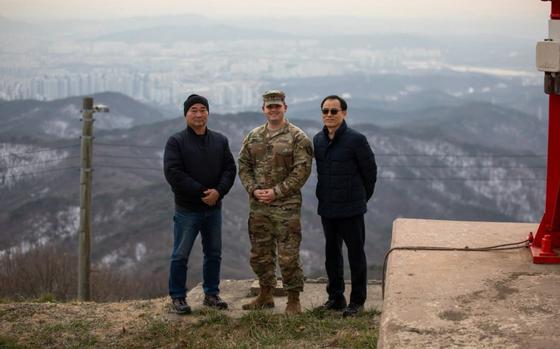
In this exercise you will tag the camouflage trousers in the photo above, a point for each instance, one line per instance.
(272, 229)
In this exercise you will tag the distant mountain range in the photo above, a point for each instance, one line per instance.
(192, 33)
(394, 99)
(60, 119)
(470, 161)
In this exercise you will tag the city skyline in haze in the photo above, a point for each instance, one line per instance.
(104, 9)
(154, 51)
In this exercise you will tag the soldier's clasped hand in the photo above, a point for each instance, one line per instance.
(265, 196)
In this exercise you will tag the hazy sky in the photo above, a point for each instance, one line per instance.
(95, 9)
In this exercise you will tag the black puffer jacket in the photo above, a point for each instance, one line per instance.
(346, 172)
(193, 164)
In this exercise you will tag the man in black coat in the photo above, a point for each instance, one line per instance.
(200, 169)
(346, 173)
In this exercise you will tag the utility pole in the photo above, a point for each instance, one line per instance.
(84, 265)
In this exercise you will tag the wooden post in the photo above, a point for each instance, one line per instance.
(84, 290)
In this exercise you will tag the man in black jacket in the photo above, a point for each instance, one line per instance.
(346, 173)
(200, 169)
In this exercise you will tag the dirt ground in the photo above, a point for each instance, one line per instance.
(110, 322)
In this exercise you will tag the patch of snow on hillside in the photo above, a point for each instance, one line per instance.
(23, 162)
(68, 222)
(61, 129)
(110, 258)
(41, 193)
(511, 195)
(23, 247)
(63, 225)
(41, 226)
(72, 111)
(42, 241)
(140, 251)
(44, 229)
(438, 186)
(111, 121)
(119, 209)
(122, 207)
(413, 88)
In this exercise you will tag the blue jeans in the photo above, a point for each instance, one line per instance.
(186, 227)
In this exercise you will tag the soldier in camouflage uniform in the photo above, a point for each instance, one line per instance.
(274, 163)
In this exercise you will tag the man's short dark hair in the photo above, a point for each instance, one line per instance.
(343, 104)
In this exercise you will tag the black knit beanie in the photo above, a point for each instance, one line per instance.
(193, 99)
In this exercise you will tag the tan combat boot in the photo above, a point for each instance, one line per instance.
(264, 300)
(293, 306)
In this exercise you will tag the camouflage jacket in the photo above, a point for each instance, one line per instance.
(281, 162)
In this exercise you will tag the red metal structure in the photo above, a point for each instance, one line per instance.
(547, 238)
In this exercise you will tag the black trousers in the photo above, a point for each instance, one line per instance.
(351, 230)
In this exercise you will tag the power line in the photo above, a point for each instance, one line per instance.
(39, 162)
(36, 172)
(130, 167)
(465, 155)
(458, 166)
(127, 157)
(128, 145)
(40, 151)
(379, 154)
(381, 178)
(460, 179)
(379, 165)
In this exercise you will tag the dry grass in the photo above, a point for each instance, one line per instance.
(50, 273)
(150, 324)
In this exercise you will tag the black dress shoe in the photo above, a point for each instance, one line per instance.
(180, 305)
(334, 304)
(352, 309)
(214, 301)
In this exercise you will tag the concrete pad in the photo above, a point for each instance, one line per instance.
(452, 299)
(238, 292)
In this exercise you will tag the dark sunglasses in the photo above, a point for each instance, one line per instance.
(333, 111)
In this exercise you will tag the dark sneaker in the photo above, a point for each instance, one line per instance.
(180, 305)
(214, 301)
(334, 304)
(352, 309)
